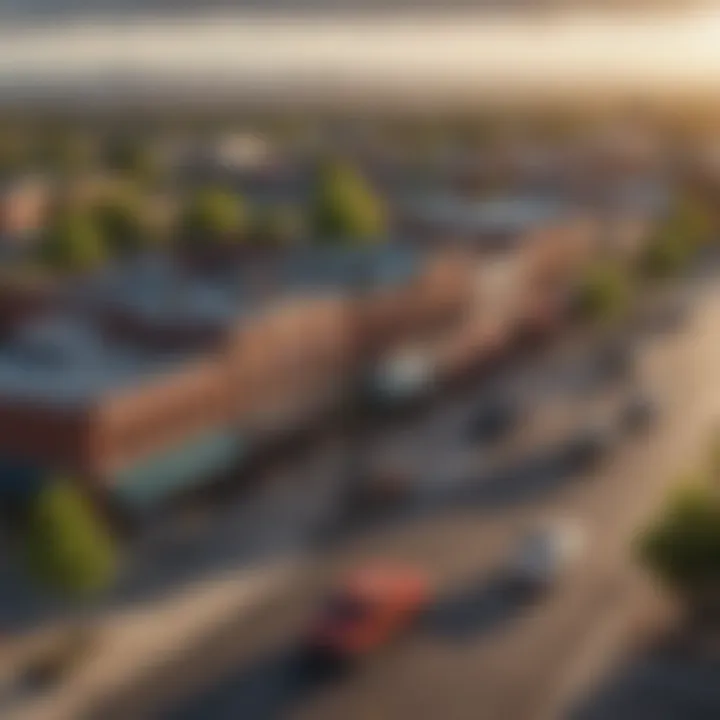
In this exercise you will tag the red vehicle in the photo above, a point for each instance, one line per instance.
(371, 607)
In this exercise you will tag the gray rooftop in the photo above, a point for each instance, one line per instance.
(497, 215)
(64, 358)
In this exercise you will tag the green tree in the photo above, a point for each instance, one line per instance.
(344, 208)
(122, 222)
(67, 547)
(132, 157)
(604, 293)
(66, 153)
(278, 226)
(687, 228)
(682, 546)
(15, 155)
(213, 217)
(72, 243)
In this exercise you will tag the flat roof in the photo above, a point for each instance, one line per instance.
(502, 214)
(157, 290)
(63, 360)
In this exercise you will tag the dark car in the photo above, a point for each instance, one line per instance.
(588, 447)
(616, 362)
(380, 490)
(666, 318)
(639, 413)
(494, 420)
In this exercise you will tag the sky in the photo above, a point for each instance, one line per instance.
(269, 55)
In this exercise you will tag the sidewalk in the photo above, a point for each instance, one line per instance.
(135, 639)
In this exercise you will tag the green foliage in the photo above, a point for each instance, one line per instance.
(121, 221)
(133, 158)
(278, 226)
(687, 228)
(604, 293)
(344, 207)
(72, 243)
(213, 217)
(66, 153)
(67, 548)
(682, 546)
(14, 154)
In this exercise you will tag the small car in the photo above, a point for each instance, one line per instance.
(589, 446)
(371, 607)
(671, 317)
(639, 413)
(616, 362)
(544, 554)
(494, 420)
(379, 490)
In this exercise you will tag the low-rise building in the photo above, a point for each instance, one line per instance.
(198, 372)
(23, 206)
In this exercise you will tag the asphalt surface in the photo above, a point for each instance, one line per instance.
(479, 653)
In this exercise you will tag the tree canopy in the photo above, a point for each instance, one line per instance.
(72, 243)
(687, 228)
(604, 292)
(344, 208)
(133, 157)
(213, 217)
(67, 548)
(278, 226)
(122, 222)
(682, 546)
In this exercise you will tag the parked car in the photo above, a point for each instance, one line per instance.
(494, 419)
(670, 317)
(371, 607)
(589, 446)
(639, 413)
(381, 489)
(616, 362)
(544, 554)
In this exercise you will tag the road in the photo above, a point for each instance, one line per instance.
(478, 654)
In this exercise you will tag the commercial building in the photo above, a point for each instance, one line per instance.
(164, 380)
(151, 378)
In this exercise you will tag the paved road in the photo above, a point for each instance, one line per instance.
(478, 654)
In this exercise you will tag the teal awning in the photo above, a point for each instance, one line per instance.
(181, 468)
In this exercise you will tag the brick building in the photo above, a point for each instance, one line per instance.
(23, 206)
(135, 420)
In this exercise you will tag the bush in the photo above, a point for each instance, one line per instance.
(67, 547)
(682, 546)
(122, 222)
(278, 226)
(604, 293)
(72, 243)
(684, 232)
(133, 158)
(213, 217)
(344, 207)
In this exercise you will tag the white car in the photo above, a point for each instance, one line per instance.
(545, 553)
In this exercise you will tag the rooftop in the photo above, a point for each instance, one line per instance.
(64, 358)
(497, 215)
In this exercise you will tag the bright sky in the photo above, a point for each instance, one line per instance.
(482, 54)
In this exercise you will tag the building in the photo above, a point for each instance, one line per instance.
(151, 378)
(165, 381)
(23, 206)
